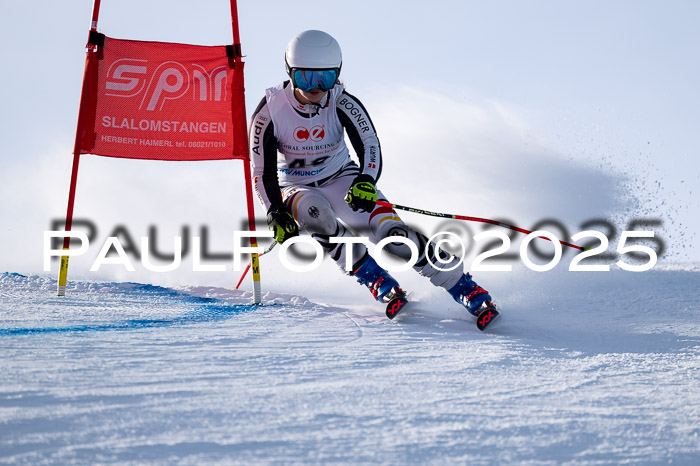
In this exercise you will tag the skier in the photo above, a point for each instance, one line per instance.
(305, 177)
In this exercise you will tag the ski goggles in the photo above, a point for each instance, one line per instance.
(306, 80)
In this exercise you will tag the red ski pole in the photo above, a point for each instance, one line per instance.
(469, 219)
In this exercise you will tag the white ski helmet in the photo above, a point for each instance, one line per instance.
(313, 50)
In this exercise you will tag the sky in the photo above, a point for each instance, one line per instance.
(504, 109)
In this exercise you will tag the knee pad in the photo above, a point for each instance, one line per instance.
(394, 228)
(315, 215)
(441, 267)
(312, 211)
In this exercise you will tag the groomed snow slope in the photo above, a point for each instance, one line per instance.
(592, 368)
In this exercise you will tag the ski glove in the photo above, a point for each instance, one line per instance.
(362, 195)
(281, 222)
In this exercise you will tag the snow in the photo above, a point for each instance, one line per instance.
(584, 368)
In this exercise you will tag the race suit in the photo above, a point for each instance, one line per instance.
(300, 161)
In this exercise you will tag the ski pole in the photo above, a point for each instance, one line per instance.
(247, 267)
(469, 219)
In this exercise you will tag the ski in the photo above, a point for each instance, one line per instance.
(397, 301)
(487, 316)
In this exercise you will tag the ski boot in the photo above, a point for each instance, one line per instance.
(476, 299)
(383, 286)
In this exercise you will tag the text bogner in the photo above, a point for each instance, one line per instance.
(356, 113)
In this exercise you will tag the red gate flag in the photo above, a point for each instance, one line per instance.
(163, 101)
